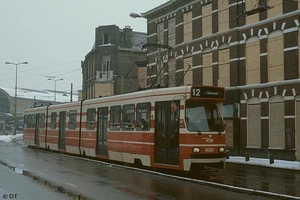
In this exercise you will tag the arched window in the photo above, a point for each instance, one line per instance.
(254, 122)
(277, 123)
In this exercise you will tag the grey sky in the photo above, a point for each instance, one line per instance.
(55, 35)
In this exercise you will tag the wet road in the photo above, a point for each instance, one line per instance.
(92, 180)
(266, 179)
(286, 182)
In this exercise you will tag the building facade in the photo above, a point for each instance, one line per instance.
(109, 68)
(251, 47)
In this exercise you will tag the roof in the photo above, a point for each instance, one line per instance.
(138, 40)
(161, 7)
(43, 95)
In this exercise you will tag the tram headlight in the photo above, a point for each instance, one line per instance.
(221, 150)
(196, 150)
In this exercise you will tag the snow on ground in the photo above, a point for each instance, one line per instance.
(283, 164)
(9, 138)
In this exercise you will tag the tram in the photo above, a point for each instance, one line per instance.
(178, 128)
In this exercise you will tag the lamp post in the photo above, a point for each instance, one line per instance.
(16, 93)
(53, 78)
(136, 15)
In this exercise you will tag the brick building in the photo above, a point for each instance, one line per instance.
(109, 68)
(250, 47)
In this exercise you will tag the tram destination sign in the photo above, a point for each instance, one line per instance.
(208, 92)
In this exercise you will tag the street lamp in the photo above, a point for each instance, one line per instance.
(16, 93)
(53, 78)
(136, 15)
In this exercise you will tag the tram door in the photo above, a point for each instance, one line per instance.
(102, 131)
(167, 132)
(62, 130)
(37, 129)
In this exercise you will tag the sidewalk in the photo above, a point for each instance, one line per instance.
(264, 162)
(14, 185)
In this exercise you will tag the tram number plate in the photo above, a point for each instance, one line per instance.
(209, 150)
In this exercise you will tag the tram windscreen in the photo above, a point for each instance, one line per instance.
(201, 117)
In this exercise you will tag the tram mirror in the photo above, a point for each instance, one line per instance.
(173, 107)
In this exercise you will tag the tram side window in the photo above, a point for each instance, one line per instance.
(90, 121)
(128, 117)
(143, 111)
(53, 120)
(25, 121)
(42, 120)
(33, 121)
(72, 119)
(115, 118)
(29, 123)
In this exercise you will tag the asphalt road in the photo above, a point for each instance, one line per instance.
(13, 185)
(91, 180)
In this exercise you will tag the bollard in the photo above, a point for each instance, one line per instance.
(227, 154)
(271, 158)
(247, 157)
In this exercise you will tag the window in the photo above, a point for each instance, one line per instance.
(188, 78)
(105, 66)
(53, 120)
(224, 67)
(128, 117)
(105, 70)
(276, 56)
(207, 69)
(115, 118)
(203, 117)
(277, 122)
(188, 27)
(29, 121)
(207, 20)
(254, 122)
(72, 119)
(252, 60)
(90, 120)
(42, 120)
(106, 39)
(143, 111)
(223, 15)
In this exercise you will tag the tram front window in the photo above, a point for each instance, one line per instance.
(200, 117)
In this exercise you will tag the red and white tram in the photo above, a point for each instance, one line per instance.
(177, 128)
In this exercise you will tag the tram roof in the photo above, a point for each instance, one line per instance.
(143, 93)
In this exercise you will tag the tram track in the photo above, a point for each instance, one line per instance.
(186, 176)
(69, 189)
